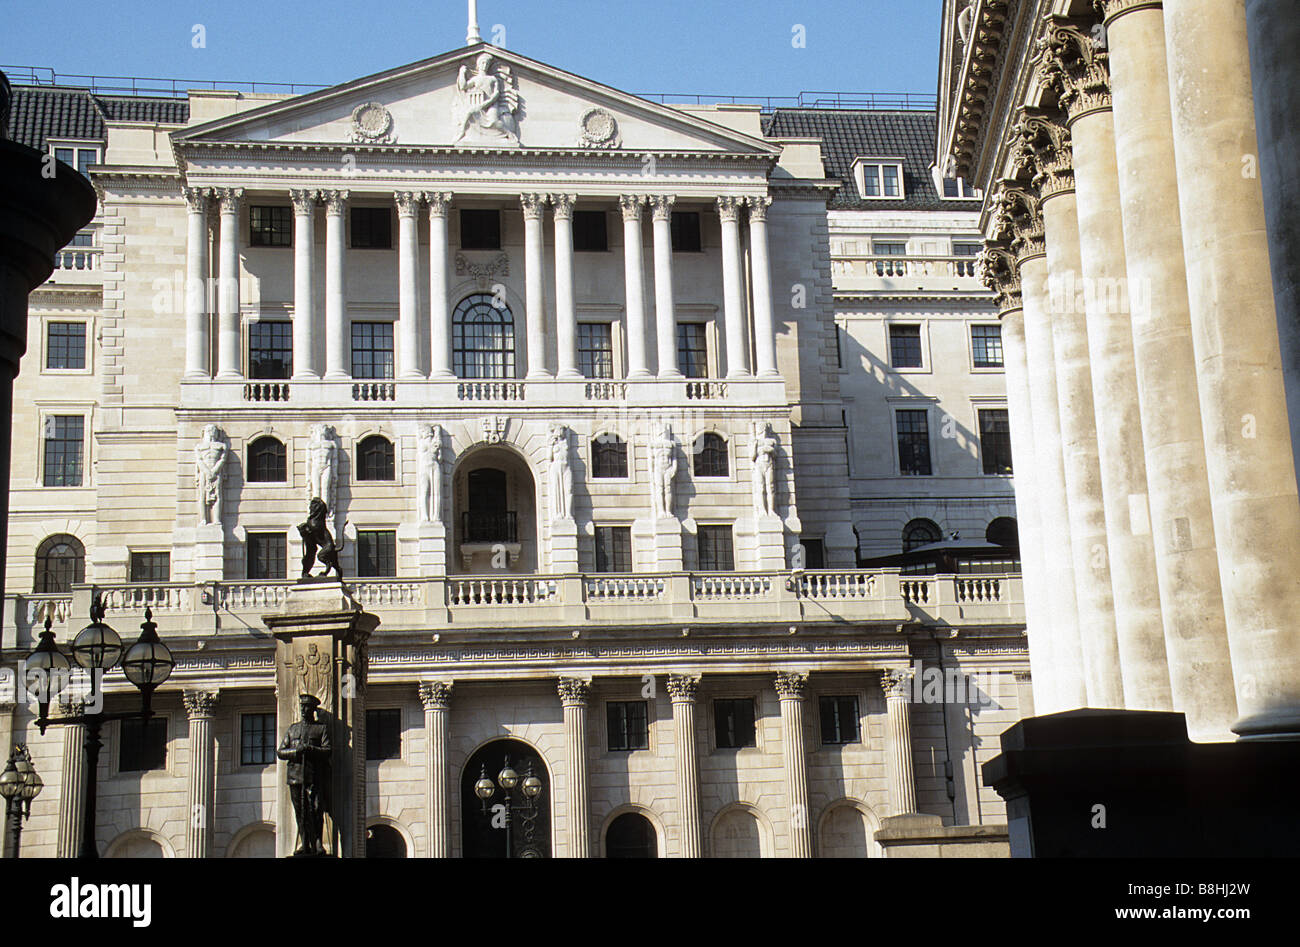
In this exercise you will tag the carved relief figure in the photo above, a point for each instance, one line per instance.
(429, 447)
(763, 455)
(663, 468)
(313, 671)
(306, 748)
(560, 473)
(210, 459)
(487, 109)
(323, 467)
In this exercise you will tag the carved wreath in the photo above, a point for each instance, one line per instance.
(599, 130)
(483, 272)
(372, 122)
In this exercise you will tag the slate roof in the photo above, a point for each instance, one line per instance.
(43, 112)
(847, 134)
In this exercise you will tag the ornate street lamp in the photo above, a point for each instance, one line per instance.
(19, 785)
(98, 649)
(531, 790)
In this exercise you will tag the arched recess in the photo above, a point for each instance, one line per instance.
(529, 837)
(632, 831)
(388, 838)
(740, 831)
(847, 829)
(253, 841)
(1003, 531)
(920, 532)
(139, 843)
(495, 506)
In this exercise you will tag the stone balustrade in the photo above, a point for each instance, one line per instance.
(876, 267)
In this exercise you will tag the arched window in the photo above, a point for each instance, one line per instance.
(920, 533)
(608, 456)
(266, 461)
(631, 835)
(60, 563)
(482, 339)
(1003, 532)
(375, 459)
(710, 456)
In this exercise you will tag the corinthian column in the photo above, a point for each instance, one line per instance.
(566, 317)
(336, 316)
(902, 779)
(304, 309)
(228, 337)
(789, 690)
(1248, 447)
(436, 695)
(573, 696)
(764, 329)
(199, 706)
(1182, 522)
(665, 307)
(196, 282)
(634, 282)
(1080, 71)
(681, 690)
(439, 313)
(408, 285)
(535, 283)
(733, 287)
(72, 783)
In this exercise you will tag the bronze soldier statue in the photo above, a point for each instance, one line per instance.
(306, 747)
(318, 541)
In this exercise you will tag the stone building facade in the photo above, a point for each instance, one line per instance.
(565, 364)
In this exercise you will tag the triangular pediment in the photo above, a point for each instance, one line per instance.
(480, 96)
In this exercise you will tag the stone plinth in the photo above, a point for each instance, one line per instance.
(564, 546)
(657, 544)
(760, 543)
(918, 835)
(427, 544)
(209, 553)
(321, 634)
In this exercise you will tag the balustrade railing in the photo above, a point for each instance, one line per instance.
(605, 391)
(266, 391)
(706, 390)
(490, 391)
(731, 586)
(844, 585)
(625, 588)
(160, 598)
(897, 266)
(502, 591)
(79, 258)
(374, 391)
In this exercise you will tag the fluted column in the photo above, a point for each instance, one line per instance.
(436, 695)
(439, 310)
(902, 778)
(566, 316)
(665, 306)
(634, 283)
(535, 283)
(228, 327)
(1080, 71)
(789, 691)
(199, 706)
(197, 357)
(408, 285)
(1239, 366)
(733, 293)
(681, 691)
(304, 309)
(72, 784)
(573, 696)
(337, 355)
(764, 327)
(1182, 521)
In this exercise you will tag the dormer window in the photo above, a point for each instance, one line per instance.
(879, 178)
(78, 156)
(958, 188)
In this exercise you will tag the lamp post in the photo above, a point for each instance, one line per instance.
(508, 781)
(19, 785)
(98, 649)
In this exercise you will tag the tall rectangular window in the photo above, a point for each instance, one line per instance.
(64, 443)
(905, 347)
(596, 349)
(733, 722)
(590, 230)
(613, 549)
(839, 720)
(372, 228)
(267, 555)
(692, 350)
(629, 724)
(986, 346)
(270, 350)
(143, 745)
(85, 158)
(480, 229)
(995, 440)
(270, 226)
(256, 739)
(384, 733)
(376, 553)
(814, 552)
(914, 442)
(714, 546)
(685, 229)
(150, 567)
(65, 345)
(372, 350)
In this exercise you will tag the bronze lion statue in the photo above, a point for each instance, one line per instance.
(318, 542)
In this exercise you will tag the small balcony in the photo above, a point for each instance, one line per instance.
(78, 266)
(490, 527)
(898, 273)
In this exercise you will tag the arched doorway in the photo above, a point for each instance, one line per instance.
(384, 841)
(484, 836)
(495, 523)
(631, 835)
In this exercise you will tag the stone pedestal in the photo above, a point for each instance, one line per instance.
(321, 634)
(760, 543)
(427, 545)
(918, 835)
(657, 544)
(564, 546)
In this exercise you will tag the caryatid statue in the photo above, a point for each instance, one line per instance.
(663, 468)
(210, 460)
(323, 468)
(487, 109)
(429, 450)
(763, 455)
(560, 474)
(306, 748)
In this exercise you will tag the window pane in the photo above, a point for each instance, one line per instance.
(480, 230)
(267, 555)
(920, 533)
(372, 350)
(890, 174)
(64, 437)
(60, 563)
(995, 441)
(143, 745)
(66, 155)
(384, 734)
(270, 350)
(692, 350)
(266, 461)
(715, 553)
(150, 567)
(608, 456)
(890, 267)
(376, 552)
(85, 158)
(375, 459)
(613, 549)
(871, 179)
(372, 228)
(914, 442)
(685, 228)
(256, 739)
(734, 722)
(628, 722)
(905, 347)
(986, 343)
(711, 456)
(839, 717)
(482, 339)
(65, 345)
(596, 349)
(270, 226)
(951, 188)
(590, 230)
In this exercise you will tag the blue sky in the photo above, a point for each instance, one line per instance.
(701, 46)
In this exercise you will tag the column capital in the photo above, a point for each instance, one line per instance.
(1076, 65)
(790, 684)
(1110, 10)
(200, 704)
(729, 208)
(661, 206)
(335, 201)
(1043, 145)
(72, 706)
(408, 203)
(435, 695)
(304, 201)
(196, 198)
(573, 691)
(534, 205)
(439, 202)
(563, 205)
(999, 270)
(758, 207)
(630, 205)
(1018, 220)
(895, 683)
(683, 687)
(230, 198)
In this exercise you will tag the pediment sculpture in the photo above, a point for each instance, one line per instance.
(488, 109)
